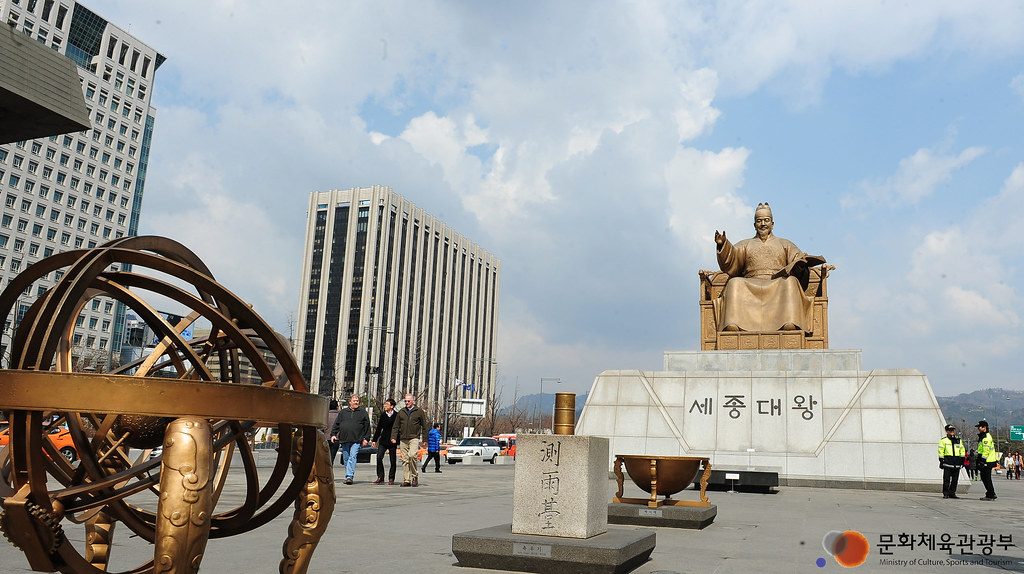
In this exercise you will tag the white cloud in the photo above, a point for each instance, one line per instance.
(703, 196)
(1017, 85)
(603, 180)
(916, 178)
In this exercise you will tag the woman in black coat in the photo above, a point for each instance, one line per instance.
(382, 440)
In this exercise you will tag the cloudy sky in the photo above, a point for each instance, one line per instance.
(596, 146)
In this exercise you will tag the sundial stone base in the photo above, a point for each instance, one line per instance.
(618, 550)
(695, 518)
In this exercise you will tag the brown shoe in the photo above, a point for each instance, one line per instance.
(415, 482)
(379, 481)
(392, 481)
(406, 484)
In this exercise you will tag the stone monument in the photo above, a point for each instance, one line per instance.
(765, 393)
(560, 516)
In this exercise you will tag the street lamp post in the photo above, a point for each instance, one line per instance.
(555, 380)
(373, 370)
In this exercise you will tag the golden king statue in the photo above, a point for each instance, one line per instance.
(768, 277)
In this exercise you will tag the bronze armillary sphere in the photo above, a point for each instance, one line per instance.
(200, 415)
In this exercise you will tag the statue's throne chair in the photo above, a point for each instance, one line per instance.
(713, 338)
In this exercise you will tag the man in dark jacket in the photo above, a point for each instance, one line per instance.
(352, 429)
(408, 431)
(382, 440)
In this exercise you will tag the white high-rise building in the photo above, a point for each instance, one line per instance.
(80, 189)
(392, 301)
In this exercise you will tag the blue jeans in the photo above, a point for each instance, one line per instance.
(349, 452)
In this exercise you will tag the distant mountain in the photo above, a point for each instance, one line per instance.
(1000, 407)
(528, 404)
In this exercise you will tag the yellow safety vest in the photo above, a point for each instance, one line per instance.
(987, 448)
(955, 451)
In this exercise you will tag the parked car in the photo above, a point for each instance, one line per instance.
(364, 453)
(485, 447)
(59, 436)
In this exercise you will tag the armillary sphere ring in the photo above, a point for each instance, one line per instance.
(188, 395)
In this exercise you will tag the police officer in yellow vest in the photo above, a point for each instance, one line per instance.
(951, 458)
(987, 457)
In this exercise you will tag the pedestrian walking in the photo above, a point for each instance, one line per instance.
(951, 458)
(382, 440)
(987, 457)
(433, 448)
(1008, 464)
(352, 430)
(407, 433)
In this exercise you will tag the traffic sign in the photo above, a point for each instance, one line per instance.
(1017, 432)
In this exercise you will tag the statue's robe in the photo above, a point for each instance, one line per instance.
(766, 286)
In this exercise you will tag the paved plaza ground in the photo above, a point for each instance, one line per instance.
(388, 529)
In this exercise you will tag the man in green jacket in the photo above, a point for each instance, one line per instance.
(987, 457)
(407, 433)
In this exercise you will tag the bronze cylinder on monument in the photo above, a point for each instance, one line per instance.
(565, 413)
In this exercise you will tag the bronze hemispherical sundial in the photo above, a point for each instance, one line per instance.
(188, 395)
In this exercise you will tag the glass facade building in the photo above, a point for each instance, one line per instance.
(81, 189)
(392, 301)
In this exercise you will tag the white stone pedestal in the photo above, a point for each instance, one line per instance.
(812, 414)
(561, 486)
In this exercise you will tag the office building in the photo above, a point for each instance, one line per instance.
(84, 188)
(393, 300)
